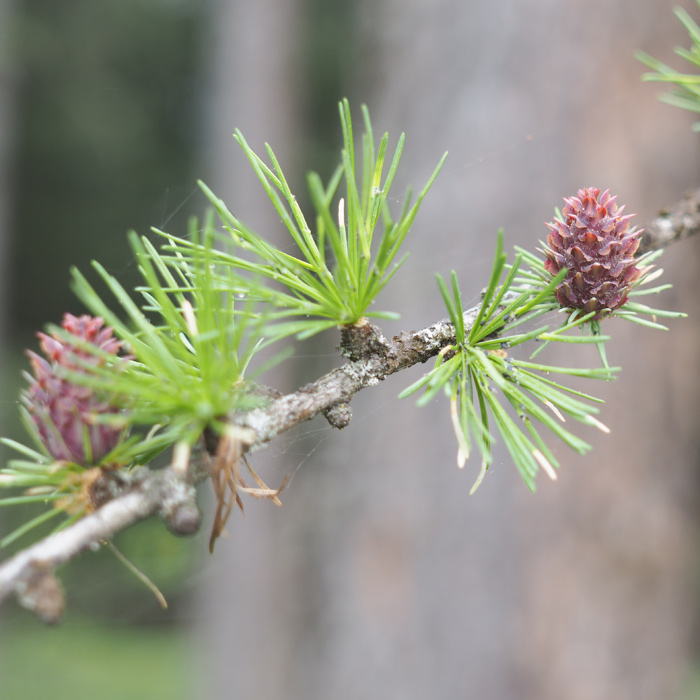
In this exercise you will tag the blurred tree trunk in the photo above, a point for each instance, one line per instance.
(583, 591)
(253, 86)
(381, 577)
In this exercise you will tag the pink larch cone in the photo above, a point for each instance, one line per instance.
(595, 244)
(64, 412)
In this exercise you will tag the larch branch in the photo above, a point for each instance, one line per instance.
(676, 223)
(170, 492)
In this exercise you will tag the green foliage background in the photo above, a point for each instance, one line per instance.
(106, 139)
(116, 662)
(106, 136)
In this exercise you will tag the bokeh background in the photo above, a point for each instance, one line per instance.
(380, 577)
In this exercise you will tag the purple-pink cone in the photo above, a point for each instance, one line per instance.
(64, 413)
(595, 244)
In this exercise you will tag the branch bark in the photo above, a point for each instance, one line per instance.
(170, 492)
(372, 359)
(674, 224)
(144, 493)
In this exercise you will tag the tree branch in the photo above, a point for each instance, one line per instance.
(170, 492)
(674, 224)
(139, 495)
(373, 359)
